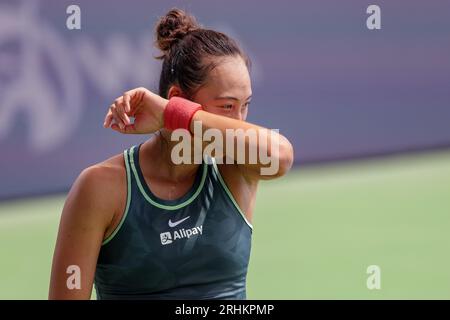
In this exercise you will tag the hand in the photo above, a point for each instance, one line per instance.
(146, 107)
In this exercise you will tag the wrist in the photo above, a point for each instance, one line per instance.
(160, 107)
(179, 112)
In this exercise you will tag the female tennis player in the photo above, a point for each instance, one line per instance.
(140, 226)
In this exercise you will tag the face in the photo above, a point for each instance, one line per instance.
(227, 90)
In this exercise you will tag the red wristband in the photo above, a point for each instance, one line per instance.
(179, 112)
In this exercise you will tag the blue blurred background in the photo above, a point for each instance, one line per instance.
(335, 88)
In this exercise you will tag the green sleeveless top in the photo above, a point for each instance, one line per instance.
(195, 247)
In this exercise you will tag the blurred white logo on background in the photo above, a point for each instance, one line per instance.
(50, 106)
(41, 74)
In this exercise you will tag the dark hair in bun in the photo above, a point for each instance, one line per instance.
(172, 28)
(185, 45)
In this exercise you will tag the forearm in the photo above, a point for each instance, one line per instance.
(252, 147)
(260, 153)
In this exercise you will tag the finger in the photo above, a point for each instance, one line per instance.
(129, 129)
(134, 92)
(117, 118)
(115, 127)
(126, 102)
(108, 119)
(121, 111)
(136, 95)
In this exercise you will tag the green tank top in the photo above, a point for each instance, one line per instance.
(195, 247)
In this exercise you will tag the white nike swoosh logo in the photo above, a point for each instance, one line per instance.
(174, 224)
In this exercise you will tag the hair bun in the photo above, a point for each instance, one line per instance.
(172, 27)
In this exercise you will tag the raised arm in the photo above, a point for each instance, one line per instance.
(148, 110)
(261, 141)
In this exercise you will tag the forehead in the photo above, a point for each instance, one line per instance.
(229, 77)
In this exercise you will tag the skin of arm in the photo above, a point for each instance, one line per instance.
(148, 108)
(88, 211)
(284, 156)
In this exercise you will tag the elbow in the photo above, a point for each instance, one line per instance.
(281, 162)
(286, 158)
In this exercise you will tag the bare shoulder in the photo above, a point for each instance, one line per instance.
(104, 176)
(88, 211)
(100, 187)
(107, 173)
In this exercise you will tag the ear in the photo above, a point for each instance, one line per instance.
(175, 91)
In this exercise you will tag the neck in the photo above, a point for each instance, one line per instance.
(159, 149)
